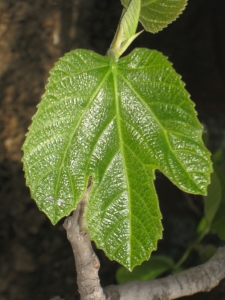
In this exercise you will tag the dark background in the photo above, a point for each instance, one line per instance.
(36, 261)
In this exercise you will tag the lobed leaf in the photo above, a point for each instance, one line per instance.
(157, 14)
(117, 122)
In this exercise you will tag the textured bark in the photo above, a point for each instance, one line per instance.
(198, 279)
(87, 263)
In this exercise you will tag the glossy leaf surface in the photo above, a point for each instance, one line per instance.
(157, 14)
(117, 122)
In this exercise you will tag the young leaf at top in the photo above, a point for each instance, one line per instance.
(157, 14)
(126, 31)
(117, 121)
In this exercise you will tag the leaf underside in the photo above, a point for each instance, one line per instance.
(117, 122)
(157, 14)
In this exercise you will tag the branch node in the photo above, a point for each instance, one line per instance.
(67, 223)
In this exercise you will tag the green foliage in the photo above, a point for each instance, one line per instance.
(125, 33)
(205, 252)
(214, 201)
(129, 19)
(213, 220)
(213, 198)
(148, 270)
(157, 14)
(117, 122)
(218, 223)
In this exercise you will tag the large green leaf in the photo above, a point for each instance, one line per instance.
(117, 122)
(157, 14)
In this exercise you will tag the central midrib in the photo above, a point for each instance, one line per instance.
(121, 143)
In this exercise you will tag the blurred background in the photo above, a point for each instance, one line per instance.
(36, 260)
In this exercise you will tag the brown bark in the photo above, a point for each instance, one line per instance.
(87, 263)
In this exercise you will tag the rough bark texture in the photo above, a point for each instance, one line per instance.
(87, 263)
(199, 279)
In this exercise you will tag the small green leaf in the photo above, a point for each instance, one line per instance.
(213, 204)
(157, 14)
(202, 229)
(205, 251)
(218, 223)
(130, 18)
(117, 122)
(126, 31)
(148, 270)
(213, 198)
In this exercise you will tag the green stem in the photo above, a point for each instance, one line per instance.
(184, 257)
